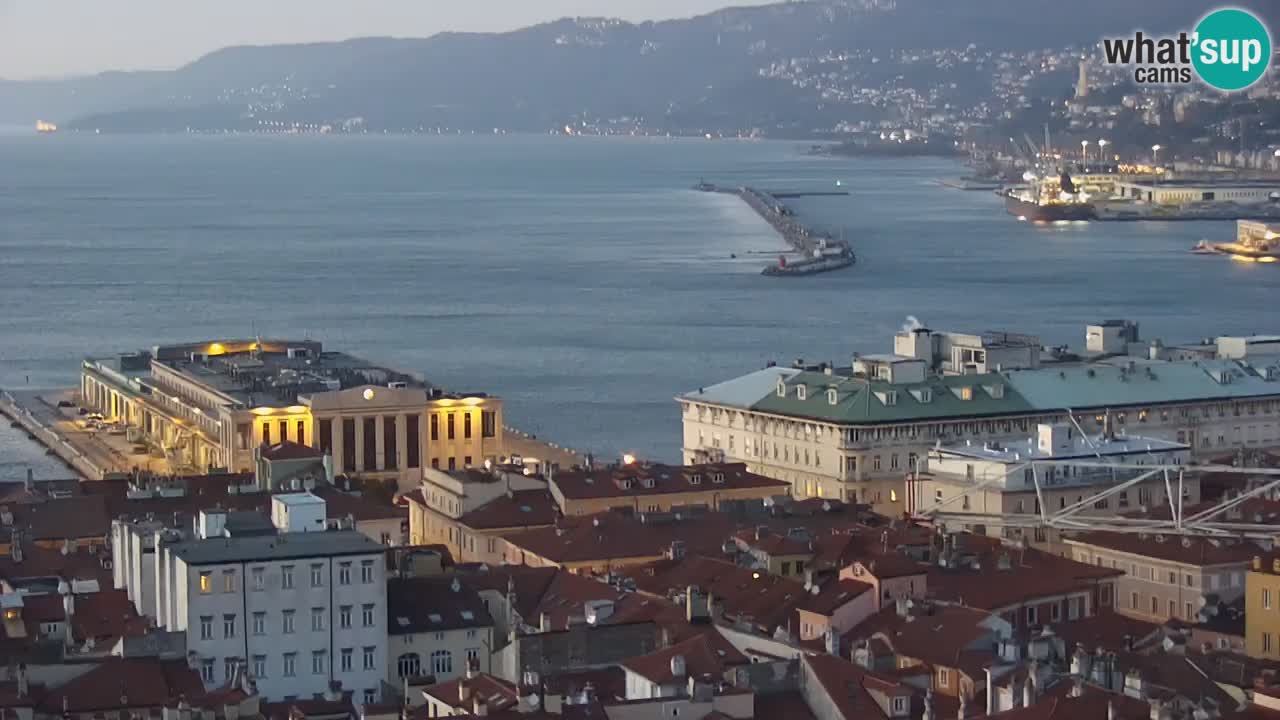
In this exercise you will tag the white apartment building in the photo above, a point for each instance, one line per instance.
(299, 607)
(854, 433)
(436, 627)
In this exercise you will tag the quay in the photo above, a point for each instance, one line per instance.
(819, 249)
(89, 458)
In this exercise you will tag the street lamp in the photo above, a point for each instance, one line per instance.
(1155, 161)
(1084, 150)
(1102, 145)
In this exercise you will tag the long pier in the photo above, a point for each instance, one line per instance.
(29, 412)
(768, 206)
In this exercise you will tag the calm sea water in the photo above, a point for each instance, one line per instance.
(580, 279)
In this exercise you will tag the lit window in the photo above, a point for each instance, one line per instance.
(206, 583)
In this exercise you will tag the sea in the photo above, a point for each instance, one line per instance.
(580, 279)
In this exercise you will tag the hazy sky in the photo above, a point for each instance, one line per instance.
(40, 38)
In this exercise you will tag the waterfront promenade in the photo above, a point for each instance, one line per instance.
(802, 238)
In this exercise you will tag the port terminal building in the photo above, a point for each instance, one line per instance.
(853, 432)
(210, 405)
(1182, 192)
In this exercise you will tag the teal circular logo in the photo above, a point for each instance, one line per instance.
(1231, 49)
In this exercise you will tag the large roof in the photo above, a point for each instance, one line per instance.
(285, 546)
(861, 400)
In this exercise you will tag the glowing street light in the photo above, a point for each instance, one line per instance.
(1155, 160)
(1102, 145)
(628, 459)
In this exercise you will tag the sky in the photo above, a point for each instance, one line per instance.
(39, 38)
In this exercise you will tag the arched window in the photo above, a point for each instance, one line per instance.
(409, 665)
(441, 663)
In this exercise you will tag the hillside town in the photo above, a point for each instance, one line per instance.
(969, 526)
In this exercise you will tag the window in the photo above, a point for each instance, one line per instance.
(1055, 612)
(370, 696)
(1032, 616)
(366, 571)
(317, 619)
(229, 668)
(450, 422)
(206, 670)
(466, 425)
(1173, 608)
(206, 582)
(259, 578)
(1266, 599)
(286, 577)
(435, 426)
(290, 667)
(473, 655)
(1190, 581)
(344, 573)
(369, 659)
(1133, 601)
(488, 423)
(287, 625)
(899, 706)
(1266, 642)
(317, 575)
(319, 662)
(259, 623)
(1155, 606)
(1191, 615)
(944, 677)
(228, 581)
(302, 432)
(228, 626)
(344, 659)
(786, 567)
(409, 665)
(206, 627)
(344, 617)
(259, 666)
(366, 614)
(441, 662)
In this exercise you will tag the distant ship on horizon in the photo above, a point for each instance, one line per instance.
(45, 127)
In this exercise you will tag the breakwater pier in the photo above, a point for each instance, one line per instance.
(819, 250)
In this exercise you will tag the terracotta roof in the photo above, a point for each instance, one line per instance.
(708, 654)
(1006, 577)
(119, 683)
(516, 509)
(528, 583)
(833, 596)
(431, 604)
(1058, 704)
(774, 544)
(891, 565)
(936, 634)
(497, 693)
(1106, 629)
(644, 479)
(850, 687)
(609, 683)
(78, 517)
(765, 600)
(1186, 550)
(39, 562)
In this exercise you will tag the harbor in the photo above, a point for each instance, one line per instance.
(819, 251)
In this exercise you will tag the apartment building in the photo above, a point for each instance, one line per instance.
(854, 432)
(1167, 577)
(297, 605)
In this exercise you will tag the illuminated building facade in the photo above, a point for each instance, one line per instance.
(209, 404)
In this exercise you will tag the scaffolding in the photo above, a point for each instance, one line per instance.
(1202, 522)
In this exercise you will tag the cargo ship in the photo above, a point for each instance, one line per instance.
(45, 127)
(821, 261)
(1045, 200)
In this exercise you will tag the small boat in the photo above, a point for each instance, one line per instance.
(1204, 247)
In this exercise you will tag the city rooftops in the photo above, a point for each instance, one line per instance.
(839, 397)
(285, 546)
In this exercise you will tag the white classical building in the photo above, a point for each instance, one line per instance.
(854, 432)
(298, 605)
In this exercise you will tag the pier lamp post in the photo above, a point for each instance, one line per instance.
(1102, 146)
(1084, 151)
(1155, 161)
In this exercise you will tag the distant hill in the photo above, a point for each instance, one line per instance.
(689, 73)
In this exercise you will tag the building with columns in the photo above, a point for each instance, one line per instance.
(210, 404)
